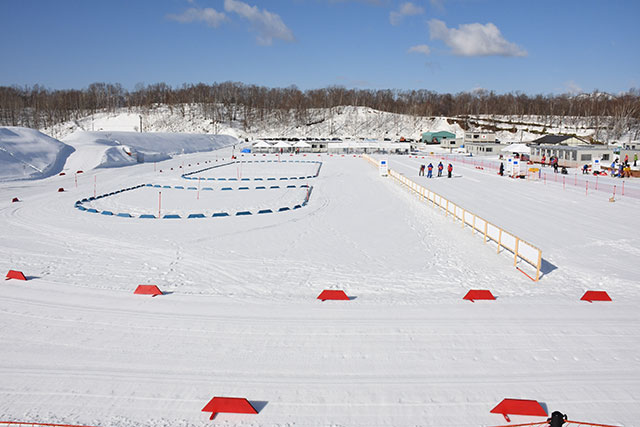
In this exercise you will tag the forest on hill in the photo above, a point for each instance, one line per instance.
(39, 107)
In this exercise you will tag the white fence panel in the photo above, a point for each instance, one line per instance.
(528, 252)
(493, 232)
(509, 241)
(480, 224)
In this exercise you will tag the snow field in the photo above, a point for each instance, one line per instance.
(241, 318)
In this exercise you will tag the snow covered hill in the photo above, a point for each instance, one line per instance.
(114, 149)
(338, 122)
(29, 154)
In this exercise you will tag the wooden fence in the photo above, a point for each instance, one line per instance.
(505, 240)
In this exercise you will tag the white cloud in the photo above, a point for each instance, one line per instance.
(268, 25)
(474, 39)
(421, 48)
(209, 16)
(573, 88)
(406, 9)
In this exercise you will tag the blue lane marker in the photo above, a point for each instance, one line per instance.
(283, 209)
(226, 188)
(219, 214)
(265, 211)
(124, 215)
(147, 216)
(107, 213)
(196, 215)
(171, 216)
(243, 213)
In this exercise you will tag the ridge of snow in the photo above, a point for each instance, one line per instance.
(30, 154)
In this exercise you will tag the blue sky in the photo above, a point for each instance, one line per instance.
(441, 45)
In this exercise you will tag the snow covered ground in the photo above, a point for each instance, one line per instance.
(240, 315)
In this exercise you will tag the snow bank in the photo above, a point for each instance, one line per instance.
(29, 154)
(116, 149)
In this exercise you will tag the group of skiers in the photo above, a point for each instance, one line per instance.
(440, 169)
(623, 169)
(553, 162)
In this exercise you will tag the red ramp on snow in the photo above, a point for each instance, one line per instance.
(152, 290)
(13, 274)
(595, 296)
(15, 200)
(332, 295)
(519, 407)
(479, 294)
(233, 405)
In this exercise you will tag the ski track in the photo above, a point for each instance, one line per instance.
(241, 318)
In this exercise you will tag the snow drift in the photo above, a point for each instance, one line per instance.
(115, 149)
(29, 154)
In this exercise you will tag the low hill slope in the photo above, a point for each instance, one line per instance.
(29, 154)
(115, 149)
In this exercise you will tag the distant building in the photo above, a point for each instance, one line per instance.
(442, 137)
(470, 137)
(484, 148)
(571, 151)
(571, 155)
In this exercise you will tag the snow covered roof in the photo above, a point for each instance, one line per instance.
(517, 148)
(556, 139)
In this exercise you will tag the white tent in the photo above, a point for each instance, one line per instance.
(517, 148)
(261, 144)
(282, 144)
(302, 144)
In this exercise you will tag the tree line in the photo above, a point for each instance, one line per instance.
(39, 107)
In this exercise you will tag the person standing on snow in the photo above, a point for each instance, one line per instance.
(544, 159)
(585, 169)
(430, 171)
(421, 173)
(502, 169)
(449, 170)
(635, 160)
(440, 167)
